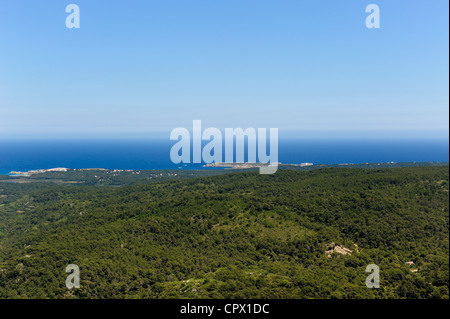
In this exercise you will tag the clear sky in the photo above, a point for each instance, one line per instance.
(136, 68)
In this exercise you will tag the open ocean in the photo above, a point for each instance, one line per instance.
(21, 155)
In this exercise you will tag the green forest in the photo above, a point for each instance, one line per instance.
(293, 234)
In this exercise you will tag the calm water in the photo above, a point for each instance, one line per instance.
(147, 154)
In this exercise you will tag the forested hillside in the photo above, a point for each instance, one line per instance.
(238, 235)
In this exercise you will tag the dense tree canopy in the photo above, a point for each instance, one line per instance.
(238, 235)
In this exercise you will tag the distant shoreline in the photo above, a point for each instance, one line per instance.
(230, 166)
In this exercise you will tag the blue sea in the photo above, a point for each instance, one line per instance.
(25, 155)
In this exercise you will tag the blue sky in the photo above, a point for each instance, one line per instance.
(142, 68)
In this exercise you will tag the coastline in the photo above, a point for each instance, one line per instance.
(223, 166)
